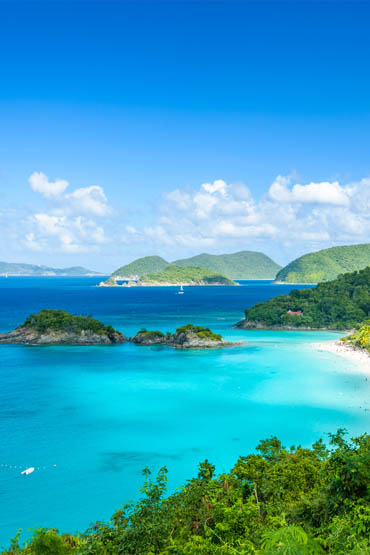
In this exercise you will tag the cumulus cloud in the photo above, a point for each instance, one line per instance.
(324, 192)
(66, 225)
(223, 216)
(40, 183)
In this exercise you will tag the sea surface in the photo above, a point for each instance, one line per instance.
(101, 414)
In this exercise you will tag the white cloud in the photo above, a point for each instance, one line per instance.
(324, 192)
(222, 216)
(40, 183)
(66, 224)
(89, 200)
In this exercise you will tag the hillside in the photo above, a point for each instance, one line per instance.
(186, 275)
(141, 266)
(326, 264)
(20, 269)
(238, 265)
(339, 304)
(277, 500)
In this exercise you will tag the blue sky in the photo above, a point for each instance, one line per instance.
(172, 122)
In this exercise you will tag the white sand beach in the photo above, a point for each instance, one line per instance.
(359, 356)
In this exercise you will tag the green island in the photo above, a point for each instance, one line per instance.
(278, 500)
(325, 265)
(237, 265)
(21, 269)
(187, 275)
(185, 337)
(52, 326)
(340, 304)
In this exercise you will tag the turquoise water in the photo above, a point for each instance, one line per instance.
(101, 414)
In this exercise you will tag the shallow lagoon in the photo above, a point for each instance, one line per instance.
(101, 414)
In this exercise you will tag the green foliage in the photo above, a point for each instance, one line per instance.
(238, 265)
(339, 304)
(151, 334)
(187, 274)
(295, 501)
(326, 264)
(53, 319)
(141, 266)
(203, 333)
(360, 338)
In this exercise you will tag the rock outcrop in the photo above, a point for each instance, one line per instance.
(29, 336)
(57, 327)
(186, 337)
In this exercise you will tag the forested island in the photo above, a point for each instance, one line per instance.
(20, 269)
(185, 337)
(341, 304)
(237, 265)
(57, 327)
(175, 275)
(292, 501)
(325, 265)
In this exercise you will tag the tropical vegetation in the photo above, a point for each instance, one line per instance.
(278, 500)
(186, 275)
(326, 264)
(141, 266)
(202, 333)
(59, 320)
(238, 265)
(339, 304)
(360, 337)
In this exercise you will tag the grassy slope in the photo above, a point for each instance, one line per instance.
(339, 304)
(238, 265)
(326, 264)
(141, 266)
(186, 274)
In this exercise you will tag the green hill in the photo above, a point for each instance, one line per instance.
(238, 265)
(187, 275)
(326, 264)
(339, 304)
(20, 269)
(141, 266)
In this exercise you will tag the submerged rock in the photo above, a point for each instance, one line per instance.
(56, 327)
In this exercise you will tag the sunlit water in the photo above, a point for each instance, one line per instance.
(101, 414)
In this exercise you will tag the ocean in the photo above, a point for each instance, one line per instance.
(89, 419)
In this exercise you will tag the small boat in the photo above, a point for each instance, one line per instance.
(181, 292)
(28, 471)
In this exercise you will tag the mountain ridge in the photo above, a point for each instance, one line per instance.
(23, 269)
(326, 264)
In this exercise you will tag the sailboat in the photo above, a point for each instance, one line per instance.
(181, 292)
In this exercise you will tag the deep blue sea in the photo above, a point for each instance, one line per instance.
(101, 414)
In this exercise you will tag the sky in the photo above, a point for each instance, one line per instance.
(174, 128)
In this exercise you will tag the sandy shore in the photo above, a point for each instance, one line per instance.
(359, 356)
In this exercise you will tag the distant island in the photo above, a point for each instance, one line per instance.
(57, 327)
(326, 264)
(20, 269)
(185, 337)
(238, 265)
(175, 275)
(341, 304)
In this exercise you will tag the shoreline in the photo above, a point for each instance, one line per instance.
(356, 355)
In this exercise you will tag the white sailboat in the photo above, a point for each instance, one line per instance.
(181, 292)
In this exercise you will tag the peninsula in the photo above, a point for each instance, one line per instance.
(185, 337)
(175, 275)
(57, 327)
(341, 304)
